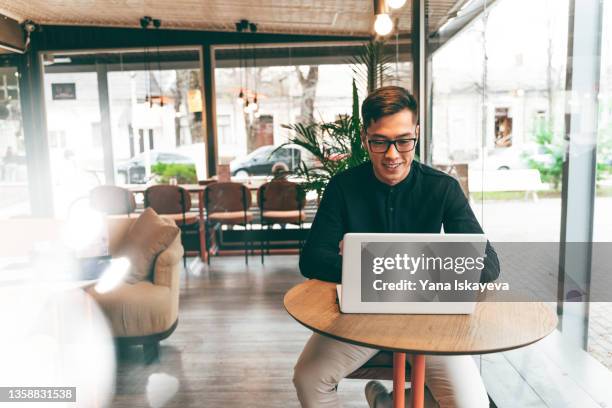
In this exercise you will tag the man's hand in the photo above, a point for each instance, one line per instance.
(340, 246)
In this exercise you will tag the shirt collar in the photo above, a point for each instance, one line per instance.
(405, 183)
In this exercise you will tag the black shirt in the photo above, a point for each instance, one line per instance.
(356, 201)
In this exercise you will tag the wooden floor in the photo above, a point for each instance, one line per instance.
(235, 346)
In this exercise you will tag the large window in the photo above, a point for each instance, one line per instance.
(74, 133)
(124, 117)
(503, 103)
(600, 323)
(293, 84)
(156, 116)
(14, 196)
(499, 107)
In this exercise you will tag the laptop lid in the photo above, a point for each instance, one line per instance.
(411, 273)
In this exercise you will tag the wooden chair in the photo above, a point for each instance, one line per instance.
(281, 202)
(112, 200)
(227, 203)
(174, 202)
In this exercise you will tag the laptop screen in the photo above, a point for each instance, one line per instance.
(420, 271)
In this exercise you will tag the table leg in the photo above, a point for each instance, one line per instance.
(418, 381)
(202, 227)
(399, 379)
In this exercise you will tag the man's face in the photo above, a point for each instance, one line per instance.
(392, 166)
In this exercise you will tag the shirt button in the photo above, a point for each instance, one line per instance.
(391, 209)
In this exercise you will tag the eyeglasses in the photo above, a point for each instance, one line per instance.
(383, 145)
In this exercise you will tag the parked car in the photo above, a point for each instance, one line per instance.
(513, 158)
(133, 171)
(266, 160)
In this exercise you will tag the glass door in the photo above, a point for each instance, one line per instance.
(74, 129)
(122, 117)
(156, 107)
(14, 195)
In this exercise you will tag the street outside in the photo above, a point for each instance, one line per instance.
(539, 221)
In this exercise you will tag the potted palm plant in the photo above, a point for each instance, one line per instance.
(337, 145)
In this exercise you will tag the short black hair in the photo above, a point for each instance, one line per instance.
(386, 101)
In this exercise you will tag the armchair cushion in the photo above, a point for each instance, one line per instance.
(147, 237)
(145, 308)
(141, 309)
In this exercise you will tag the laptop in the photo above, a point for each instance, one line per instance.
(410, 273)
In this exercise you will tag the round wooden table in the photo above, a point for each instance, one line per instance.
(493, 327)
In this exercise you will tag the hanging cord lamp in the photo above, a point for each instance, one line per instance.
(255, 105)
(241, 73)
(383, 25)
(157, 24)
(395, 4)
(240, 27)
(144, 23)
(246, 84)
(397, 76)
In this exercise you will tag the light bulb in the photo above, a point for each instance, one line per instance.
(395, 4)
(254, 106)
(383, 24)
(240, 98)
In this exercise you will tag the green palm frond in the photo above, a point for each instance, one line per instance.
(337, 145)
(371, 66)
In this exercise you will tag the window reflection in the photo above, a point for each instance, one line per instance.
(291, 88)
(14, 195)
(154, 130)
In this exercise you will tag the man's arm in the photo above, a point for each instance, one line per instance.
(320, 258)
(460, 219)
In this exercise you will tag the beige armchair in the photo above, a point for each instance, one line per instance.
(146, 312)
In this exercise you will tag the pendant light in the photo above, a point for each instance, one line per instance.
(157, 24)
(397, 76)
(383, 24)
(240, 27)
(395, 4)
(240, 98)
(144, 23)
(254, 105)
(247, 103)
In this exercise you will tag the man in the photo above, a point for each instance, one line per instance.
(391, 193)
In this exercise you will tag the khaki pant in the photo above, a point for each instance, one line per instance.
(452, 381)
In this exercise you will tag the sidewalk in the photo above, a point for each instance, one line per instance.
(529, 221)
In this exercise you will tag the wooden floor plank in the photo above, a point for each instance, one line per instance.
(235, 346)
(505, 385)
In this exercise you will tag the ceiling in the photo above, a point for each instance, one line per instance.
(324, 17)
